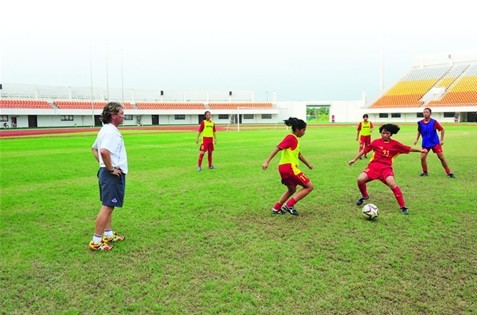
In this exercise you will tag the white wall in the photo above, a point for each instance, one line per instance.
(291, 109)
(55, 121)
(408, 118)
(145, 119)
(344, 111)
(22, 121)
(409, 115)
(257, 119)
(347, 111)
(170, 120)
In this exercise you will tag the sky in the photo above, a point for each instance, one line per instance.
(301, 50)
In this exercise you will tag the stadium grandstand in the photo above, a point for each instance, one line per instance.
(29, 106)
(447, 83)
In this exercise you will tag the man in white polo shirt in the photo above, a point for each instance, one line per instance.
(110, 152)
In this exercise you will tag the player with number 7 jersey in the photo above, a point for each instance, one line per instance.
(385, 150)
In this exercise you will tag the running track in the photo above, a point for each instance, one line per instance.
(34, 132)
(12, 133)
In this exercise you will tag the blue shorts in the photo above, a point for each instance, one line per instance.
(111, 188)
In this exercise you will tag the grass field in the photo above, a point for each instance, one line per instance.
(206, 243)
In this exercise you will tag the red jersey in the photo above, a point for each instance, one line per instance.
(289, 142)
(386, 152)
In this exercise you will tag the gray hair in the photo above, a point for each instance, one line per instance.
(112, 108)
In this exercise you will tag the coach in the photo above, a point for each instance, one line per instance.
(110, 152)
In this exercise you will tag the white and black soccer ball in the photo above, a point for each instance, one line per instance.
(370, 211)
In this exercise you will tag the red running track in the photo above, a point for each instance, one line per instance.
(33, 132)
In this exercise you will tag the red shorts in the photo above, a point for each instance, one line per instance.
(366, 140)
(207, 144)
(379, 171)
(436, 149)
(289, 178)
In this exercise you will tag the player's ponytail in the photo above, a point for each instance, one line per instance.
(295, 123)
(392, 128)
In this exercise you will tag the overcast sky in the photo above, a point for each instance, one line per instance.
(303, 50)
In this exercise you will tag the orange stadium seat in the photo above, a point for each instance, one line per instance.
(25, 104)
(457, 99)
(127, 105)
(398, 101)
(213, 106)
(79, 104)
(170, 106)
(408, 92)
(463, 93)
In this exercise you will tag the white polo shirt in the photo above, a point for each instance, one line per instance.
(110, 138)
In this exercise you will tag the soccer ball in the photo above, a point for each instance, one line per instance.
(370, 211)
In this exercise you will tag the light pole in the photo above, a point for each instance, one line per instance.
(107, 73)
(91, 79)
(122, 78)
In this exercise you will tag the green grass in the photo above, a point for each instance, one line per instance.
(206, 242)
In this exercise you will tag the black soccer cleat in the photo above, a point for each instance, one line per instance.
(423, 174)
(290, 210)
(277, 211)
(451, 175)
(361, 200)
(404, 210)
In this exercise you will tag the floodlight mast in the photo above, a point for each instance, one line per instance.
(381, 74)
(107, 73)
(1, 86)
(91, 81)
(122, 78)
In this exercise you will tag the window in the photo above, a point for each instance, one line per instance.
(396, 115)
(223, 116)
(67, 118)
(383, 115)
(420, 115)
(266, 116)
(248, 116)
(179, 117)
(128, 117)
(449, 115)
(3, 117)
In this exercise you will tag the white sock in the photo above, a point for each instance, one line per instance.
(97, 239)
(108, 233)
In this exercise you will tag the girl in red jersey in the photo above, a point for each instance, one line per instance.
(380, 165)
(363, 134)
(207, 129)
(288, 168)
